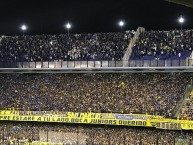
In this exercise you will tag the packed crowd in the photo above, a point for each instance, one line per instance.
(89, 135)
(163, 44)
(97, 46)
(155, 93)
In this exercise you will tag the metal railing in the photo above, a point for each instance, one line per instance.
(98, 64)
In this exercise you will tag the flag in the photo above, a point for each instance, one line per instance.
(121, 85)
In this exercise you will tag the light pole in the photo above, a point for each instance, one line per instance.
(68, 27)
(121, 24)
(23, 28)
(181, 21)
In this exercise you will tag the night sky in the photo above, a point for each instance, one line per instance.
(49, 16)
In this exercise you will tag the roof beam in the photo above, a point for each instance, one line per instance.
(188, 3)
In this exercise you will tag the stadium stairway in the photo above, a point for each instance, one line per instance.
(128, 52)
(187, 94)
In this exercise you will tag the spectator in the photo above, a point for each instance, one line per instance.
(97, 46)
(164, 45)
(122, 93)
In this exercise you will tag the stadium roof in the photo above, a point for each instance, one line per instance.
(188, 3)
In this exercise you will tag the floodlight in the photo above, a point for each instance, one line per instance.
(23, 27)
(121, 23)
(68, 25)
(181, 19)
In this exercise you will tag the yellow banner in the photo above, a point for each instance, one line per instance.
(74, 120)
(97, 118)
(81, 115)
(185, 124)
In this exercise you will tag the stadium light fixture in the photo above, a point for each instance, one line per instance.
(23, 28)
(181, 21)
(68, 26)
(121, 24)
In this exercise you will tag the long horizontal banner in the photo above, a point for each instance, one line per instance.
(97, 118)
(81, 115)
(73, 120)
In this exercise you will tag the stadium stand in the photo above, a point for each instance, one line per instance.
(131, 48)
(123, 93)
(97, 46)
(87, 135)
(172, 44)
(154, 93)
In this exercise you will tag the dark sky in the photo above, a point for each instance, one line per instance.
(49, 16)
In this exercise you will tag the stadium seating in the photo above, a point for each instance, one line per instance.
(128, 93)
(123, 93)
(150, 45)
(163, 45)
(97, 46)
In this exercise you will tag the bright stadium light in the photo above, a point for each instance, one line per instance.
(121, 24)
(68, 26)
(23, 28)
(181, 21)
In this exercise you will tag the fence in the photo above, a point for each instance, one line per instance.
(99, 64)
